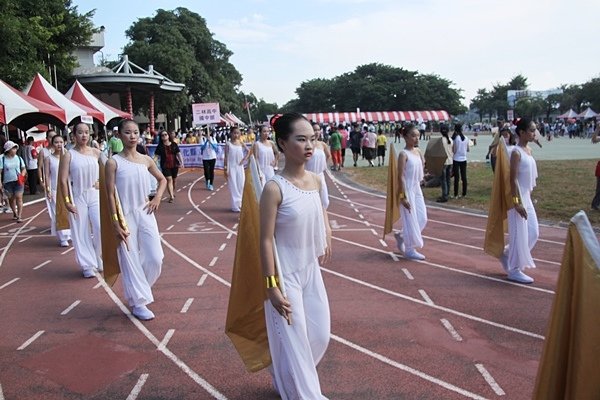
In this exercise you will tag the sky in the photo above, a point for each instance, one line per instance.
(277, 45)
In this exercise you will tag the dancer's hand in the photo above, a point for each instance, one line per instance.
(325, 258)
(405, 204)
(152, 205)
(122, 234)
(521, 210)
(280, 303)
(71, 208)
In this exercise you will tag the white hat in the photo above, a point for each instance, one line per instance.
(9, 145)
(115, 128)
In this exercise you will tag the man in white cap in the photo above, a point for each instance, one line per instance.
(115, 146)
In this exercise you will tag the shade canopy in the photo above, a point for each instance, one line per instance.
(568, 114)
(40, 89)
(588, 113)
(81, 95)
(24, 111)
(378, 116)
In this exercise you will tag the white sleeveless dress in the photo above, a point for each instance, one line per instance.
(318, 164)
(63, 234)
(413, 221)
(523, 233)
(296, 349)
(85, 226)
(235, 173)
(265, 158)
(141, 265)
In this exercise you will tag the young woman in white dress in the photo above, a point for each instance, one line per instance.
(523, 229)
(78, 175)
(412, 203)
(266, 154)
(234, 168)
(140, 251)
(291, 211)
(50, 170)
(318, 163)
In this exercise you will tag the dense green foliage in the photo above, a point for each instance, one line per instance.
(377, 87)
(36, 34)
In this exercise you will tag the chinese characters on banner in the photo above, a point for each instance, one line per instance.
(206, 113)
(192, 154)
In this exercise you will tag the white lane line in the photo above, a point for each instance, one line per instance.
(425, 296)
(490, 380)
(180, 219)
(170, 227)
(356, 210)
(97, 285)
(229, 235)
(203, 201)
(42, 264)
(19, 230)
(72, 306)
(45, 230)
(235, 226)
(394, 256)
(367, 223)
(68, 250)
(435, 306)
(202, 279)
(374, 232)
(408, 274)
(361, 216)
(9, 283)
(222, 246)
(187, 305)
(352, 205)
(25, 239)
(460, 271)
(189, 212)
(455, 335)
(30, 340)
(178, 190)
(138, 387)
(383, 243)
(168, 353)
(213, 262)
(408, 369)
(163, 343)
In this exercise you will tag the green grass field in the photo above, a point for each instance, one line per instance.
(563, 188)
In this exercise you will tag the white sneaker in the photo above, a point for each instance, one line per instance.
(399, 242)
(64, 243)
(520, 277)
(414, 255)
(89, 273)
(142, 313)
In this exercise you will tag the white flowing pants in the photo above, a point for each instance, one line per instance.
(324, 191)
(413, 221)
(63, 234)
(141, 265)
(85, 230)
(296, 349)
(522, 235)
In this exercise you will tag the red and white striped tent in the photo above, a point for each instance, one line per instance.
(81, 95)
(22, 111)
(378, 116)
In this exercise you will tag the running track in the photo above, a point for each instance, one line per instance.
(450, 327)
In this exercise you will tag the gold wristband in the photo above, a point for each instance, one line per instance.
(402, 196)
(271, 281)
(115, 217)
(516, 200)
(67, 199)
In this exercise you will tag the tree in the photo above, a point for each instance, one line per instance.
(38, 34)
(495, 101)
(530, 107)
(376, 87)
(179, 45)
(590, 92)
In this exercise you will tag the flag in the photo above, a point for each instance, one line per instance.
(570, 361)
(500, 203)
(62, 214)
(110, 242)
(245, 324)
(392, 202)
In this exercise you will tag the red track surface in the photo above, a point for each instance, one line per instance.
(388, 314)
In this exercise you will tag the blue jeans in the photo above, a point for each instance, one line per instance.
(445, 181)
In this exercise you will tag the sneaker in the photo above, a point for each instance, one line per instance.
(519, 277)
(210, 187)
(142, 313)
(441, 200)
(399, 242)
(64, 243)
(89, 273)
(412, 254)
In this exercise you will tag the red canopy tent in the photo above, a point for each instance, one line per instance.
(568, 114)
(39, 88)
(81, 95)
(24, 111)
(378, 116)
